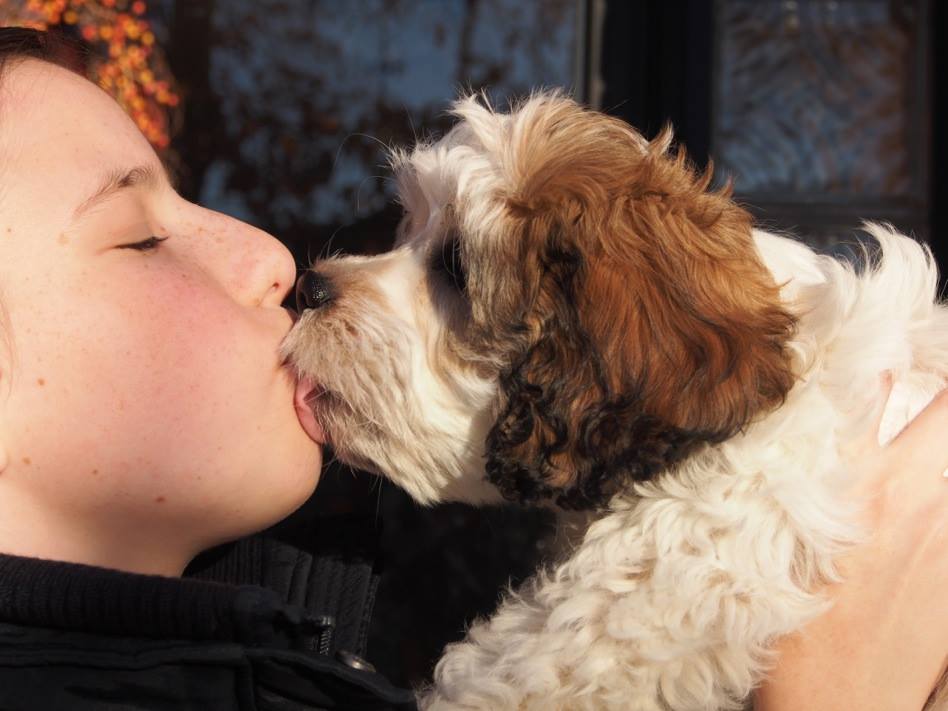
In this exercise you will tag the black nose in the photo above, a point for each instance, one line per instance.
(313, 291)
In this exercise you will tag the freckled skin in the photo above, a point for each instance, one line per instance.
(186, 337)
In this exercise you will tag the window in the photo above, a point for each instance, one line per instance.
(820, 112)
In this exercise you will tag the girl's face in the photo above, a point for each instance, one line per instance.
(144, 412)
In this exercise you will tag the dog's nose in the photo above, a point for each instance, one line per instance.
(313, 291)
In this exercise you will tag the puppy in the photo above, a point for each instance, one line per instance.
(571, 317)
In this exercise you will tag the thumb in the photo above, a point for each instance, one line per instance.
(924, 441)
(867, 444)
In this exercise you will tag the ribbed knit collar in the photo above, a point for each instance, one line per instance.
(86, 598)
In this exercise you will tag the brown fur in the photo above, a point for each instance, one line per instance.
(643, 298)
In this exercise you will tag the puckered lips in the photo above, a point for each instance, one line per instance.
(304, 399)
(307, 391)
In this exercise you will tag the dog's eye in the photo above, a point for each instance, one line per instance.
(446, 260)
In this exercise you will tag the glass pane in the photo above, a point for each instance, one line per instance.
(311, 92)
(817, 99)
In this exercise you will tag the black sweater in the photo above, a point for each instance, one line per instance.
(260, 625)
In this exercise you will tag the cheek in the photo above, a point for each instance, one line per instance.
(196, 366)
(164, 370)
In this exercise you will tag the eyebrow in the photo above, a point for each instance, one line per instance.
(120, 179)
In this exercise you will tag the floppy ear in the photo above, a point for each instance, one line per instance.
(648, 324)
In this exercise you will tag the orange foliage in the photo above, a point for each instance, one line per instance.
(125, 59)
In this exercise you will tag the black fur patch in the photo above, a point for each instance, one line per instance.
(610, 443)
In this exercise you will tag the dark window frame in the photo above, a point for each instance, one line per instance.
(654, 63)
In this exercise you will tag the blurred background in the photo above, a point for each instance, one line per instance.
(279, 112)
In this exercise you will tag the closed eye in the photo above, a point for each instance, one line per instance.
(147, 245)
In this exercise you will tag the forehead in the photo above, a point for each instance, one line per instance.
(58, 132)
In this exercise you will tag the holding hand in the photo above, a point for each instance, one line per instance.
(883, 646)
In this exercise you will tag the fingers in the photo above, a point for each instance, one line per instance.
(886, 381)
(867, 444)
(924, 441)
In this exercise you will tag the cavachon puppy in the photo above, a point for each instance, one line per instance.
(571, 317)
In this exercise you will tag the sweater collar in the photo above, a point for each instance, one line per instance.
(85, 598)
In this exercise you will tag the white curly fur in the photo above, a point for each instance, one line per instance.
(672, 598)
(674, 595)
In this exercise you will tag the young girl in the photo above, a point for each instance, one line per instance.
(145, 417)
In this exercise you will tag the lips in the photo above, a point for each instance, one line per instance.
(306, 390)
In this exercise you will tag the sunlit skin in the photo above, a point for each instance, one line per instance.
(881, 647)
(144, 412)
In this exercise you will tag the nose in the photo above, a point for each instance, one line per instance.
(313, 291)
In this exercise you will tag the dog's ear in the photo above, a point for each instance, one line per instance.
(647, 326)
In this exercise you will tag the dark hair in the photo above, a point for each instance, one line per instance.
(26, 43)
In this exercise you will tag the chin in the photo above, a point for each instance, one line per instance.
(572, 317)
(274, 486)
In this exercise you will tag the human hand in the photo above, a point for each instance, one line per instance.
(884, 643)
